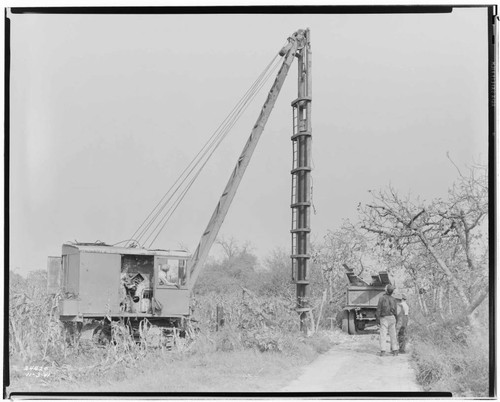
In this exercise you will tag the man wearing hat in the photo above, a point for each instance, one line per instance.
(386, 316)
(402, 321)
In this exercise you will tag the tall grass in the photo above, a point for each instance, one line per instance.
(450, 355)
(38, 338)
(35, 332)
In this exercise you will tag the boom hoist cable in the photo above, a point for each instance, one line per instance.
(203, 157)
(181, 196)
(295, 44)
(155, 222)
(298, 46)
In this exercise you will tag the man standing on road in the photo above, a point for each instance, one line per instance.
(386, 315)
(402, 322)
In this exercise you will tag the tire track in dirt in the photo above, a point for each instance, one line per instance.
(354, 366)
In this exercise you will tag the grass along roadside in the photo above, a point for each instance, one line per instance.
(452, 358)
(236, 371)
(259, 348)
(201, 370)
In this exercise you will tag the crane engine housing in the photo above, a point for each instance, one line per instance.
(99, 281)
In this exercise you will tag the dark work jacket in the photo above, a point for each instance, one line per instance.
(387, 305)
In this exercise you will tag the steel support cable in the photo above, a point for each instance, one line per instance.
(197, 158)
(193, 163)
(210, 143)
(173, 208)
(211, 139)
(161, 200)
(228, 123)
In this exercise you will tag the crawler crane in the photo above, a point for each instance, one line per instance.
(99, 281)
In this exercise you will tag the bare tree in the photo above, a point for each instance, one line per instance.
(232, 248)
(450, 231)
(345, 246)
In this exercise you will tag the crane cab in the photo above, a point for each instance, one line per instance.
(97, 281)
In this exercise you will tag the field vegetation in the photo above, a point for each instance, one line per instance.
(439, 249)
(259, 337)
(245, 335)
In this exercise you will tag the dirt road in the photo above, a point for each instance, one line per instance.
(354, 366)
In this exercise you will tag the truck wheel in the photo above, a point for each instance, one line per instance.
(345, 321)
(352, 323)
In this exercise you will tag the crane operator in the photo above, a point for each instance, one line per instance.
(163, 276)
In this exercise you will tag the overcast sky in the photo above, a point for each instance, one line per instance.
(107, 110)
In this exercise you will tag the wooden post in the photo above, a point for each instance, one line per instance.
(220, 317)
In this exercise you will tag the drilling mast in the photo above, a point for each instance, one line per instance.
(100, 281)
(289, 51)
(301, 180)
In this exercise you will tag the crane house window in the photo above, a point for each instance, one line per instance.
(171, 272)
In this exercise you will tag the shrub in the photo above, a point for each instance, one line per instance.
(228, 340)
(203, 344)
(320, 342)
(450, 356)
(37, 337)
(35, 332)
(264, 339)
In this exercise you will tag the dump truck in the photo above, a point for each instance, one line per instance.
(359, 312)
(99, 281)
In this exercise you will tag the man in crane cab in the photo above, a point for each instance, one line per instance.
(387, 311)
(128, 292)
(166, 276)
